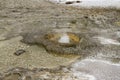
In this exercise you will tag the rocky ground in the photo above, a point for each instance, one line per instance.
(21, 21)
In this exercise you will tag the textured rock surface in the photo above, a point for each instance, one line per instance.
(26, 19)
(42, 74)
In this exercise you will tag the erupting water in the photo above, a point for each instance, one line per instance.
(64, 39)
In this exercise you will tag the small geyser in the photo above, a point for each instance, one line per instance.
(63, 39)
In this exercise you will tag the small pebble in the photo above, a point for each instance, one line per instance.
(69, 2)
(19, 52)
(78, 1)
(86, 17)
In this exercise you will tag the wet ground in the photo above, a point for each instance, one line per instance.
(26, 54)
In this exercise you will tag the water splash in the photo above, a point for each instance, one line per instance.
(64, 39)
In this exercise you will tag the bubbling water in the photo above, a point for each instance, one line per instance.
(64, 39)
